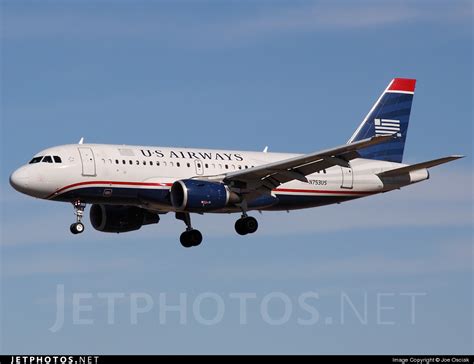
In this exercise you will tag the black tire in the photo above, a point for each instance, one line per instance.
(251, 224)
(73, 229)
(185, 240)
(196, 237)
(240, 228)
(77, 228)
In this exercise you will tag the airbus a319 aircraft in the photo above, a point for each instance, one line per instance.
(131, 186)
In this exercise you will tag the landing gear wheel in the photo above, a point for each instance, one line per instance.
(77, 228)
(185, 241)
(246, 225)
(190, 238)
(240, 228)
(196, 237)
(251, 224)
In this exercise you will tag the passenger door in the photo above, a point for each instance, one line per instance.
(88, 161)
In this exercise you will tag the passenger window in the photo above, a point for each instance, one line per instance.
(36, 160)
(116, 161)
(324, 171)
(246, 167)
(226, 166)
(58, 159)
(47, 159)
(213, 165)
(240, 167)
(199, 165)
(171, 164)
(130, 161)
(207, 165)
(177, 164)
(123, 161)
(220, 166)
(157, 163)
(144, 163)
(188, 165)
(151, 163)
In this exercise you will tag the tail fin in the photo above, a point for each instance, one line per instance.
(389, 115)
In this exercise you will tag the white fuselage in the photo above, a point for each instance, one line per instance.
(142, 176)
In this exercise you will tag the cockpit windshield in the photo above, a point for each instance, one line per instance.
(46, 159)
(36, 160)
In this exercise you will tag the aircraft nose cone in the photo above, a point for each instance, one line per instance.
(19, 180)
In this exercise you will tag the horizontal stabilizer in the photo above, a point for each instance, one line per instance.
(414, 167)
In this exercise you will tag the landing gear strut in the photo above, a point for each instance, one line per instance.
(191, 237)
(246, 225)
(78, 226)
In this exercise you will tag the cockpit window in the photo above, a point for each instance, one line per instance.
(57, 159)
(47, 159)
(36, 160)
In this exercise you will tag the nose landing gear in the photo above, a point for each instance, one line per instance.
(78, 226)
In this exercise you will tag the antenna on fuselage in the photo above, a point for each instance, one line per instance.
(81, 141)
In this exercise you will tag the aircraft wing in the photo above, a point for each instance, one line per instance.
(271, 175)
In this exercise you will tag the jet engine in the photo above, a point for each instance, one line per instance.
(201, 196)
(120, 219)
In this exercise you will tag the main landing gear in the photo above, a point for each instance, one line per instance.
(191, 237)
(246, 225)
(78, 226)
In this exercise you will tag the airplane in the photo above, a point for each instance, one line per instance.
(131, 186)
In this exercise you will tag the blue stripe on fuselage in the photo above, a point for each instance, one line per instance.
(116, 196)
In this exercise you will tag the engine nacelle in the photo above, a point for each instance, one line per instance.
(201, 196)
(120, 219)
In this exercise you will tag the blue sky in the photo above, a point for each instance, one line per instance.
(297, 76)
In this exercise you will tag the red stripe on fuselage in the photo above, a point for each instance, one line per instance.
(117, 183)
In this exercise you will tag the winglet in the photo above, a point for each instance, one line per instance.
(81, 141)
(265, 149)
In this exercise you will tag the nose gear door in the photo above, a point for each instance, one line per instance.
(88, 161)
